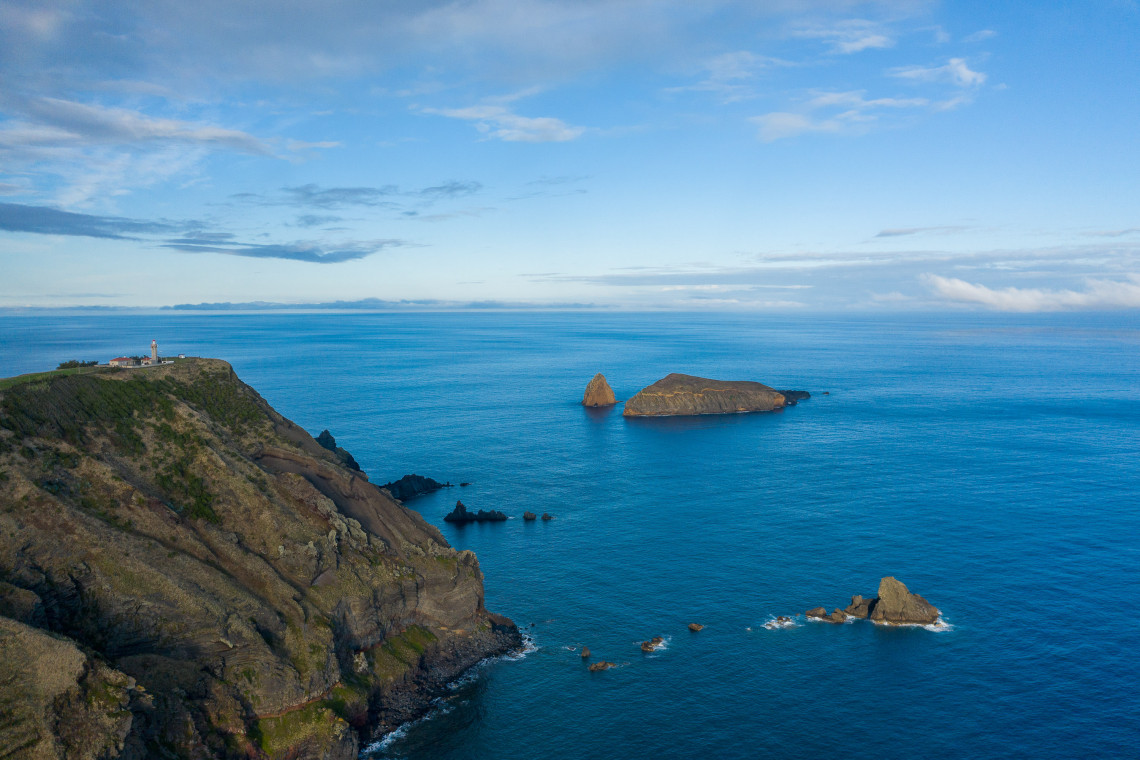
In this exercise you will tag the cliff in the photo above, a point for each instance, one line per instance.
(186, 573)
(685, 395)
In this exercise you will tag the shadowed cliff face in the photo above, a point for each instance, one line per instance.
(242, 591)
(678, 394)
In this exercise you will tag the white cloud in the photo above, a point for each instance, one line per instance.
(730, 76)
(955, 71)
(850, 36)
(56, 122)
(501, 123)
(852, 112)
(1098, 294)
(978, 36)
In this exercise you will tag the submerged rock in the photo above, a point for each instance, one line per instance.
(678, 394)
(546, 516)
(461, 515)
(411, 486)
(598, 392)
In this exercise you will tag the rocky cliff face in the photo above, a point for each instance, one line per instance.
(206, 581)
(598, 392)
(684, 395)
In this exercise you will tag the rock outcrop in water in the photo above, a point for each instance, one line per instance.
(688, 395)
(461, 515)
(894, 605)
(186, 573)
(598, 392)
(411, 486)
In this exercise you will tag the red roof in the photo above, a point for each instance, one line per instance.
(121, 359)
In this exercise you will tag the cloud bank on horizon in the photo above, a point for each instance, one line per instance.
(784, 155)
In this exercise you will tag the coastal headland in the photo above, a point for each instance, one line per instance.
(186, 573)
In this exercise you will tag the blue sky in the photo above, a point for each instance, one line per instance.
(789, 155)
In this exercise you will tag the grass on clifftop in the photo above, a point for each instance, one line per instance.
(11, 382)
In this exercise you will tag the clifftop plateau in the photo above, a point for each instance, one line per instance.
(198, 578)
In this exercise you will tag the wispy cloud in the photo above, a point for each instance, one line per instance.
(191, 238)
(315, 196)
(955, 71)
(501, 123)
(731, 77)
(1114, 233)
(978, 36)
(52, 122)
(850, 36)
(317, 220)
(904, 231)
(393, 197)
(307, 251)
(1098, 294)
(44, 220)
(453, 189)
(846, 112)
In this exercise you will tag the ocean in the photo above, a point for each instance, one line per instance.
(990, 462)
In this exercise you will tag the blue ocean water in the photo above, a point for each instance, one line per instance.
(989, 462)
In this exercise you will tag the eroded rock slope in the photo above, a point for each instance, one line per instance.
(216, 583)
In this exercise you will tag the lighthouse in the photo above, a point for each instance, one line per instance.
(154, 352)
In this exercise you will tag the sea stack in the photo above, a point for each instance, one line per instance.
(688, 395)
(894, 605)
(898, 606)
(598, 392)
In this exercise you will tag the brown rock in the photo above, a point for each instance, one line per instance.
(859, 607)
(686, 395)
(816, 612)
(601, 665)
(653, 644)
(585, 653)
(837, 616)
(897, 605)
(547, 516)
(695, 627)
(598, 392)
(528, 516)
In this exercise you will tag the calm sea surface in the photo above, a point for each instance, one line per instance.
(991, 463)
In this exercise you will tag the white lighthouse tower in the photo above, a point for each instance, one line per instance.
(154, 352)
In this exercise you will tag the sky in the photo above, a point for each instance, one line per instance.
(793, 155)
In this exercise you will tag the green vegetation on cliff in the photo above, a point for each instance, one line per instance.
(242, 593)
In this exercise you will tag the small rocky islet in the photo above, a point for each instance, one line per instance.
(894, 605)
(687, 395)
(598, 392)
(460, 515)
